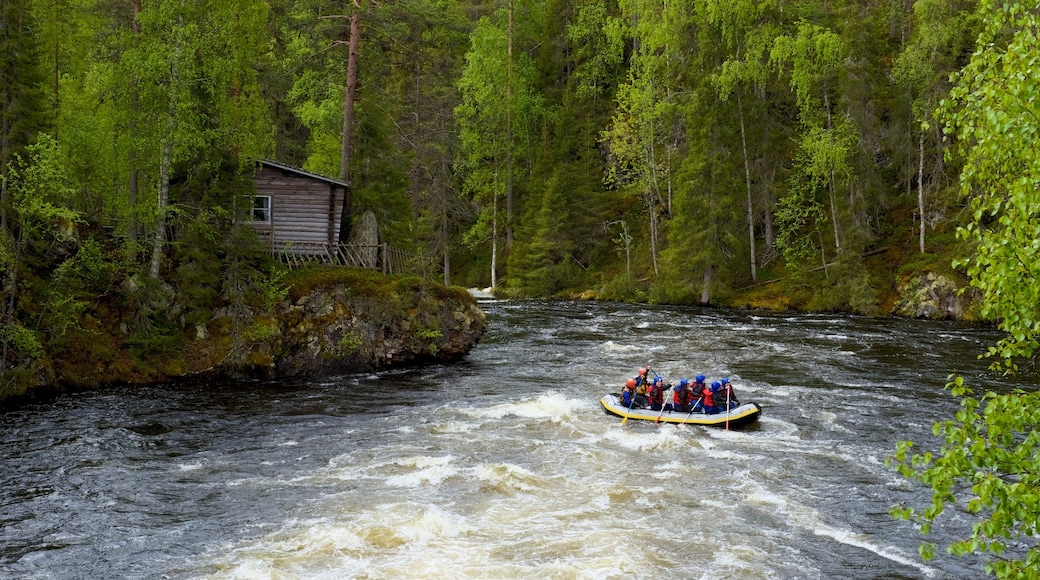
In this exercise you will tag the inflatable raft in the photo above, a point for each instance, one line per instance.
(736, 418)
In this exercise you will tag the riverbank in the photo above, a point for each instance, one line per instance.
(315, 322)
(894, 280)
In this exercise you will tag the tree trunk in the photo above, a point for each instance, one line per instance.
(446, 246)
(706, 289)
(653, 229)
(9, 295)
(834, 203)
(5, 159)
(494, 237)
(165, 163)
(415, 187)
(346, 140)
(164, 196)
(132, 155)
(509, 136)
(416, 171)
(920, 186)
(747, 181)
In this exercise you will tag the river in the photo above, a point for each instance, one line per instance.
(504, 465)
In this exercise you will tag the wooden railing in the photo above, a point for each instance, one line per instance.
(383, 257)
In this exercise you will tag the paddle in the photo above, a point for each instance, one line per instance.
(727, 409)
(691, 410)
(633, 402)
(663, 399)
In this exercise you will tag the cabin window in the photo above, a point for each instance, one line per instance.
(262, 208)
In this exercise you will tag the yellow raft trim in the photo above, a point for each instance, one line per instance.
(746, 414)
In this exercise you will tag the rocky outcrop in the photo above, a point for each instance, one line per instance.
(934, 296)
(343, 328)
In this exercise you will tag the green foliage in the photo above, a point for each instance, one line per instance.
(39, 186)
(23, 101)
(198, 272)
(545, 259)
(261, 330)
(598, 49)
(429, 336)
(349, 343)
(988, 462)
(24, 342)
(497, 117)
(271, 290)
(989, 467)
(993, 113)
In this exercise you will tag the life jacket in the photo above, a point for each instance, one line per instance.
(695, 388)
(709, 397)
(686, 395)
(656, 394)
(727, 391)
(626, 397)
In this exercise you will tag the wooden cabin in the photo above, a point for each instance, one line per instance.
(297, 214)
(296, 209)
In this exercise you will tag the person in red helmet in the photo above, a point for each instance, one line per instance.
(640, 389)
(628, 393)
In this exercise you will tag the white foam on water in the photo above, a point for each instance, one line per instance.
(426, 476)
(545, 406)
(403, 540)
(729, 455)
(507, 477)
(452, 427)
(668, 471)
(655, 440)
(803, 516)
(610, 346)
(860, 541)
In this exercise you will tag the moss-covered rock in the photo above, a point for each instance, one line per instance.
(355, 320)
(933, 296)
(328, 321)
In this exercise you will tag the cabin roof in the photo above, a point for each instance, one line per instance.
(299, 171)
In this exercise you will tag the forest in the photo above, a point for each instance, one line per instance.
(677, 152)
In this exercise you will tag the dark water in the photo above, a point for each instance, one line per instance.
(504, 466)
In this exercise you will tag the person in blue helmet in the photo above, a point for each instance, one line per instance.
(655, 393)
(709, 399)
(698, 383)
(680, 397)
(728, 394)
(697, 387)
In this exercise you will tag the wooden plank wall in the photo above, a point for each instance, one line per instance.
(299, 207)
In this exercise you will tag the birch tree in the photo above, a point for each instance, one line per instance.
(922, 70)
(642, 135)
(811, 59)
(749, 37)
(195, 68)
(498, 111)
